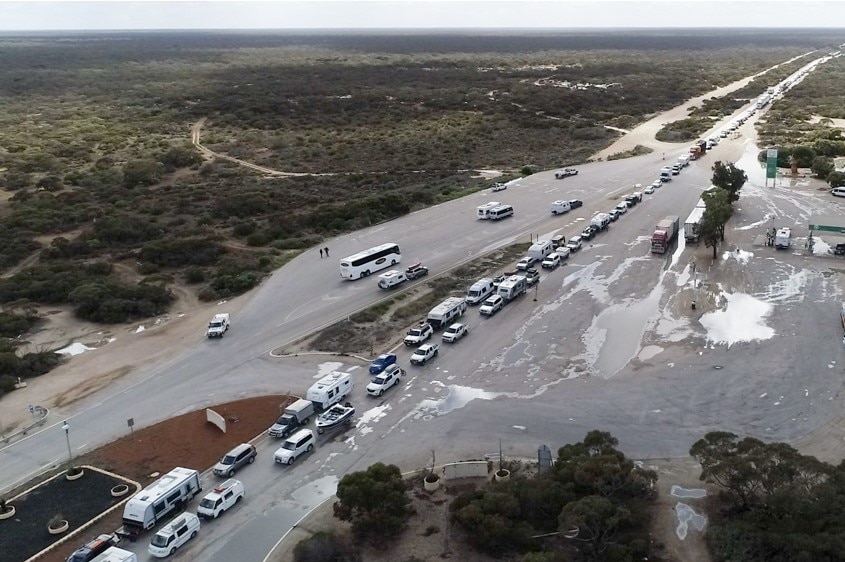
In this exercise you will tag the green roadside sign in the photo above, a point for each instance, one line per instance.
(771, 163)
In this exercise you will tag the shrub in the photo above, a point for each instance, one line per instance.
(194, 275)
(244, 228)
(374, 500)
(142, 172)
(13, 325)
(323, 547)
(182, 251)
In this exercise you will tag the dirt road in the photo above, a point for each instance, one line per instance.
(644, 134)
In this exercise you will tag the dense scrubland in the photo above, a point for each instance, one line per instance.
(108, 206)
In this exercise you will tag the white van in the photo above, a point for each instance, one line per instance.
(560, 207)
(500, 212)
(172, 536)
(480, 290)
(220, 499)
(540, 249)
(297, 444)
(838, 191)
(330, 390)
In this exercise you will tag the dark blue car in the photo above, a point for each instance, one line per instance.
(381, 363)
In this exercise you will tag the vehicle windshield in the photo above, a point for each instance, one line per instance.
(207, 503)
(228, 459)
(215, 325)
(80, 557)
(451, 330)
(379, 380)
(160, 540)
(415, 332)
(289, 445)
(380, 360)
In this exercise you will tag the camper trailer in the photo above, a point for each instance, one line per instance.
(171, 491)
(447, 311)
(330, 389)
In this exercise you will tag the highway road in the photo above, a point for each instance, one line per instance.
(608, 343)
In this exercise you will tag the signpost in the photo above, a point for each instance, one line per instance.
(771, 165)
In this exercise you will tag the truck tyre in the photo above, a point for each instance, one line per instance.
(305, 421)
(290, 461)
(380, 392)
(309, 449)
(172, 550)
(392, 262)
(194, 534)
(231, 473)
(251, 459)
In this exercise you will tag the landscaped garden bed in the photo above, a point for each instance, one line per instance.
(75, 501)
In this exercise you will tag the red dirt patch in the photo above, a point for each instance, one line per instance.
(187, 440)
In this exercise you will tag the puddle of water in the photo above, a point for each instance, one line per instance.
(686, 517)
(316, 491)
(741, 320)
(648, 352)
(327, 368)
(679, 492)
(75, 349)
(458, 397)
(373, 415)
(615, 336)
(739, 255)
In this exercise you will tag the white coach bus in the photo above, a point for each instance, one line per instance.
(369, 261)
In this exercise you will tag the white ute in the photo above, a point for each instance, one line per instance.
(455, 332)
(218, 326)
(220, 499)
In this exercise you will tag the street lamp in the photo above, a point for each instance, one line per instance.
(66, 427)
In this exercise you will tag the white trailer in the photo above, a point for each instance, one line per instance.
(512, 287)
(782, 238)
(560, 207)
(483, 211)
(691, 225)
(171, 491)
(444, 313)
(114, 554)
(330, 389)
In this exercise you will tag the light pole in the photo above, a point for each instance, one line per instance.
(66, 427)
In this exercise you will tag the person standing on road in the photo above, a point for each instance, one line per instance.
(327, 251)
(321, 253)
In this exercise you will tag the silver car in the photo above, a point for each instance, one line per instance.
(241, 455)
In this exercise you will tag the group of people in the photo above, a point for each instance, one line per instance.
(770, 237)
(324, 251)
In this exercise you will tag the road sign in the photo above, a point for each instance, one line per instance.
(771, 163)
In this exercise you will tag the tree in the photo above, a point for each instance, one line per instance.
(142, 172)
(803, 155)
(323, 547)
(596, 519)
(374, 501)
(718, 204)
(709, 232)
(822, 166)
(752, 472)
(730, 178)
(836, 179)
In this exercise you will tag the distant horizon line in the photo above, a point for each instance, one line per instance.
(413, 29)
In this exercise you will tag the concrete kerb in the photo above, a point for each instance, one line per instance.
(90, 522)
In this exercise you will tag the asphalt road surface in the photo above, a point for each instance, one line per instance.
(606, 341)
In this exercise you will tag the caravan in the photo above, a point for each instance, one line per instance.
(540, 249)
(330, 389)
(444, 313)
(171, 491)
(483, 210)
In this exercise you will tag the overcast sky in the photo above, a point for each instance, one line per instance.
(353, 14)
